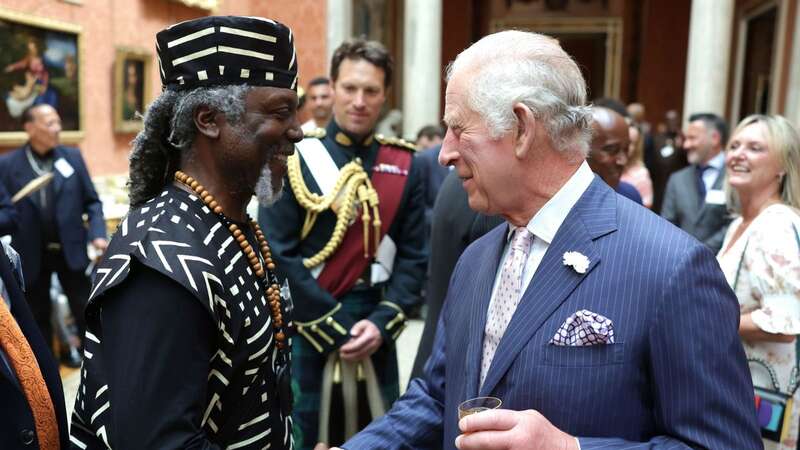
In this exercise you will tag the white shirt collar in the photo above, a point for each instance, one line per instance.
(546, 222)
(718, 161)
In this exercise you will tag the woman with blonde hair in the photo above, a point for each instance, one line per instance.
(635, 171)
(761, 253)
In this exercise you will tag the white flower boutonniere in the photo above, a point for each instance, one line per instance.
(577, 260)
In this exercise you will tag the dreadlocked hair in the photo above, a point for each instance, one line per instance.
(169, 131)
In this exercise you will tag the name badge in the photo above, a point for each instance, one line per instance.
(667, 151)
(64, 168)
(715, 197)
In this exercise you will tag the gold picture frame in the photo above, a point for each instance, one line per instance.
(41, 62)
(132, 67)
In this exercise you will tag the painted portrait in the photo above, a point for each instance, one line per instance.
(131, 88)
(39, 64)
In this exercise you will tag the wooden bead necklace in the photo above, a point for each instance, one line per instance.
(268, 277)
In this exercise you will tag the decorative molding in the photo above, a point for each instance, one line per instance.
(611, 27)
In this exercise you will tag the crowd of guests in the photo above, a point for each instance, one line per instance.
(542, 234)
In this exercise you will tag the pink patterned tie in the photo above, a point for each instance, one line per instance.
(507, 296)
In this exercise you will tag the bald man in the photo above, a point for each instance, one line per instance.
(608, 152)
(52, 235)
(637, 113)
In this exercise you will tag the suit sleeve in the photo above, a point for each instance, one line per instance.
(415, 420)
(403, 287)
(701, 388)
(669, 209)
(8, 213)
(317, 313)
(91, 202)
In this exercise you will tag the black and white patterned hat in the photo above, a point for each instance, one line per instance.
(223, 50)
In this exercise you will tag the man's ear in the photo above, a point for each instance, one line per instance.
(716, 138)
(206, 121)
(526, 130)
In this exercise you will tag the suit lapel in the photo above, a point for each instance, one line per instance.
(718, 183)
(594, 215)
(694, 195)
(22, 169)
(482, 294)
(703, 207)
(58, 179)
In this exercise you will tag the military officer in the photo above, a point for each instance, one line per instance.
(348, 234)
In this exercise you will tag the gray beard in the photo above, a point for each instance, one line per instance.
(265, 194)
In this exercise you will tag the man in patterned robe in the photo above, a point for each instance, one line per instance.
(182, 349)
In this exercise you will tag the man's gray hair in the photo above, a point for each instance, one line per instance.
(522, 67)
(169, 130)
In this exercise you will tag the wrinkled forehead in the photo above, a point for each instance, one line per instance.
(456, 104)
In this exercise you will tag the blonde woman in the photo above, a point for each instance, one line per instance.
(635, 172)
(760, 254)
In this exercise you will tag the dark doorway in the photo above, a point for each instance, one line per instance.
(589, 51)
(757, 65)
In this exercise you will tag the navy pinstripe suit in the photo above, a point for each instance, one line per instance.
(676, 376)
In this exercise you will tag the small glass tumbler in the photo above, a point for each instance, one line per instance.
(478, 404)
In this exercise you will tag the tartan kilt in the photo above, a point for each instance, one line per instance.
(308, 365)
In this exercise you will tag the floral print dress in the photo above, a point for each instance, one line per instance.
(768, 287)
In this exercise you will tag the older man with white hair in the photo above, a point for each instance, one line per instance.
(595, 322)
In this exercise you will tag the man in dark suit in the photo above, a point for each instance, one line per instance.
(52, 236)
(432, 177)
(18, 429)
(663, 156)
(695, 198)
(596, 322)
(429, 143)
(454, 227)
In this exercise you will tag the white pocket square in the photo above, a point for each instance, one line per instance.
(584, 328)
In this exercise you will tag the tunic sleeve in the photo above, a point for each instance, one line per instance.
(158, 341)
(774, 267)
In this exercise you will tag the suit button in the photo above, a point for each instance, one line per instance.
(27, 437)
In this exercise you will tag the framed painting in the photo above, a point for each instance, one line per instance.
(40, 63)
(131, 88)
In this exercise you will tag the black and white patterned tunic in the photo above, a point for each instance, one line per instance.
(179, 237)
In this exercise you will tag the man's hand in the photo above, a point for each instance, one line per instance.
(323, 446)
(503, 429)
(100, 246)
(366, 338)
